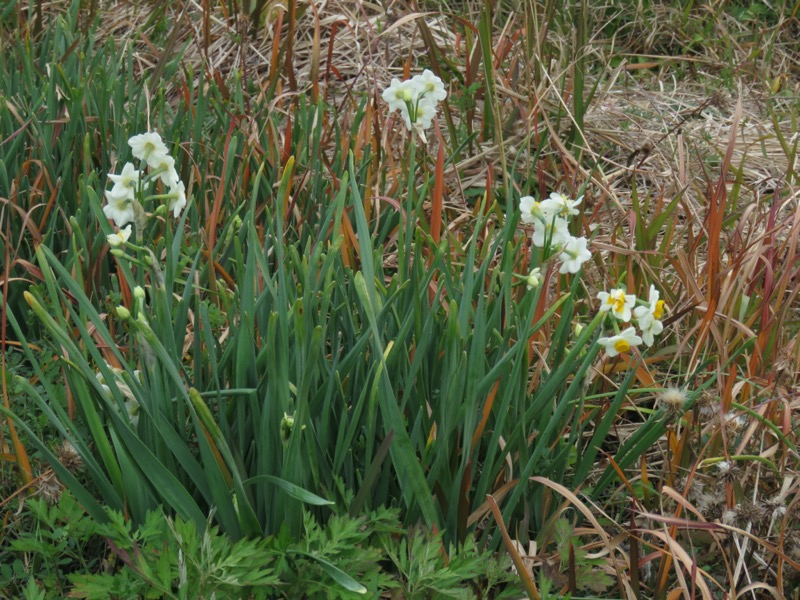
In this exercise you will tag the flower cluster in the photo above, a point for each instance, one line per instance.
(624, 308)
(550, 220)
(122, 197)
(416, 99)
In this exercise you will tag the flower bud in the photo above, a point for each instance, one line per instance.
(123, 313)
(287, 425)
(534, 278)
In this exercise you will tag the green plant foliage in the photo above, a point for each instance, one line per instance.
(171, 558)
(290, 386)
(424, 571)
(350, 544)
(40, 550)
(59, 89)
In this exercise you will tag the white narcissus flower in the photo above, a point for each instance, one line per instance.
(115, 240)
(164, 169)
(430, 87)
(655, 308)
(148, 147)
(553, 231)
(618, 302)
(574, 253)
(620, 343)
(559, 204)
(530, 210)
(650, 328)
(178, 200)
(416, 99)
(648, 317)
(534, 278)
(126, 182)
(119, 209)
(399, 93)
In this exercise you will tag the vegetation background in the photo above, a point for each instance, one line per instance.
(344, 386)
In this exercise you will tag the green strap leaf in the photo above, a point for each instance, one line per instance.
(295, 491)
(339, 576)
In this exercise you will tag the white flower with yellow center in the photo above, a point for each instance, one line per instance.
(430, 87)
(115, 240)
(618, 302)
(655, 308)
(416, 99)
(149, 147)
(119, 208)
(559, 204)
(164, 169)
(125, 183)
(574, 253)
(530, 210)
(620, 343)
(178, 200)
(648, 317)
(399, 93)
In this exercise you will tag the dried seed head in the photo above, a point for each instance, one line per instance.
(709, 499)
(709, 505)
(68, 456)
(727, 472)
(707, 406)
(735, 423)
(49, 487)
(672, 401)
(748, 512)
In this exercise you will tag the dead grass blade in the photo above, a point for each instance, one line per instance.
(527, 580)
(587, 513)
(749, 589)
(480, 513)
(686, 524)
(689, 564)
(717, 200)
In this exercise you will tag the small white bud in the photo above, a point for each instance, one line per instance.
(534, 278)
